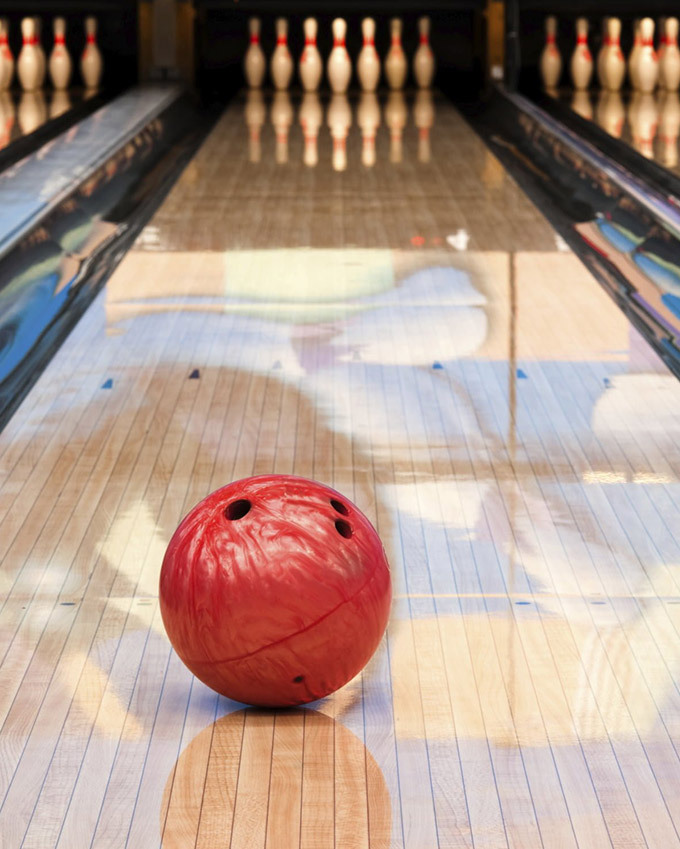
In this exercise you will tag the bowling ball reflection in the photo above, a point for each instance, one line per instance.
(277, 779)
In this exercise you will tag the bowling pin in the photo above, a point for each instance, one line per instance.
(254, 64)
(28, 63)
(647, 63)
(311, 119)
(311, 66)
(281, 65)
(339, 67)
(368, 63)
(281, 118)
(6, 58)
(669, 127)
(669, 64)
(395, 118)
(599, 62)
(661, 49)
(634, 53)
(423, 118)
(423, 59)
(91, 65)
(581, 65)
(368, 119)
(613, 68)
(339, 121)
(551, 61)
(395, 63)
(60, 61)
(255, 115)
(41, 52)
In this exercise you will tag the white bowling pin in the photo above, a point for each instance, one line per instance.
(60, 60)
(550, 64)
(311, 119)
(28, 63)
(6, 58)
(599, 61)
(339, 121)
(395, 63)
(281, 65)
(661, 49)
(396, 115)
(368, 119)
(255, 114)
(669, 64)
(647, 63)
(339, 67)
(669, 127)
(311, 66)
(611, 113)
(91, 64)
(423, 118)
(368, 63)
(634, 53)
(423, 59)
(581, 65)
(254, 64)
(281, 118)
(41, 52)
(613, 64)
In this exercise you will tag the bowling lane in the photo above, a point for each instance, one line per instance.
(354, 291)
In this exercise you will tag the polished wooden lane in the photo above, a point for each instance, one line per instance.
(414, 334)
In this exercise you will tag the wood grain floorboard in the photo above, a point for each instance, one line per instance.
(511, 437)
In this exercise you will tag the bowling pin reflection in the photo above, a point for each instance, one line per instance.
(60, 103)
(255, 114)
(581, 104)
(7, 114)
(396, 116)
(281, 118)
(669, 126)
(423, 117)
(339, 121)
(32, 111)
(611, 113)
(368, 119)
(643, 118)
(311, 119)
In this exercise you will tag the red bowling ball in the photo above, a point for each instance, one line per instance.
(275, 590)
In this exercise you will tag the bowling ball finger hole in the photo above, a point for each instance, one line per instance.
(339, 507)
(237, 509)
(344, 528)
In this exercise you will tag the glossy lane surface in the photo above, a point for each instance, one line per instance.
(364, 297)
